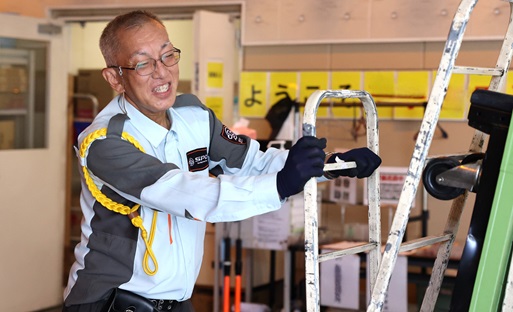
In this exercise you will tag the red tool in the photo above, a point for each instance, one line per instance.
(226, 268)
(238, 271)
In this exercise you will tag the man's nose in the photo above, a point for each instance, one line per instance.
(160, 69)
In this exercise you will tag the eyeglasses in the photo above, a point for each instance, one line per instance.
(147, 67)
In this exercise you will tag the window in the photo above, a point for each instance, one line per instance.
(23, 79)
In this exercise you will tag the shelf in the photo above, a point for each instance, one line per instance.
(14, 57)
(13, 112)
(18, 95)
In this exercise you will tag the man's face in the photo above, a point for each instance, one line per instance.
(154, 93)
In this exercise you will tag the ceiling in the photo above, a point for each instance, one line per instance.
(83, 13)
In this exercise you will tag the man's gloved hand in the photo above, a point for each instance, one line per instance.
(365, 159)
(305, 160)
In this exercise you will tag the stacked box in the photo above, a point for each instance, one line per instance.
(7, 134)
(13, 79)
(13, 87)
(91, 81)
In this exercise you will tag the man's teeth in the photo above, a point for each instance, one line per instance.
(162, 88)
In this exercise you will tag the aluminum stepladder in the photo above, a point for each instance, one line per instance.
(312, 257)
(381, 265)
(394, 243)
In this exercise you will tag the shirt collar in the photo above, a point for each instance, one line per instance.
(152, 132)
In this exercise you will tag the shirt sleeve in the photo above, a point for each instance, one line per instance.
(240, 155)
(145, 180)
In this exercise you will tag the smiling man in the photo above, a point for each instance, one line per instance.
(155, 167)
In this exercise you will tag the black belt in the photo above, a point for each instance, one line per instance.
(163, 305)
(122, 300)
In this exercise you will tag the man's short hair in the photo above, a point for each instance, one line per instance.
(109, 40)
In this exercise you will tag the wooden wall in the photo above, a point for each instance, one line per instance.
(396, 137)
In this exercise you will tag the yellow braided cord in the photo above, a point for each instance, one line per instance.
(117, 207)
(149, 252)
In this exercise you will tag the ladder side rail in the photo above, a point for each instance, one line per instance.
(310, 191)
(496, 84)
(422, 145)
(311, 214)
(311, 247)
(373, 195)
(443, 254)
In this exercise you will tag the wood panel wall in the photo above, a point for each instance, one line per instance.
(396, 137)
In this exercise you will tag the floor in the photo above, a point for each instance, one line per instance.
(203, 301)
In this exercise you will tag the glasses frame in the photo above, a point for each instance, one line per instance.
(120, 68)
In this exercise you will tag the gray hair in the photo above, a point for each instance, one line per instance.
(109, 40)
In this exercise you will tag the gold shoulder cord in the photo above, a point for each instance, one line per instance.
(132, 213)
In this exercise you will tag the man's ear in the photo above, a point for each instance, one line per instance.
(114, 79)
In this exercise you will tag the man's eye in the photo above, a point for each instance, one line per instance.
(142, 64)
(167, 55)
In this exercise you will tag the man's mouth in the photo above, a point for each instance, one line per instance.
(162, 88)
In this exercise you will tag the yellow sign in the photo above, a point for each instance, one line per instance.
(347, 108)
(215, 103)
(311, 82)
(476, 82)
(453, 106)
(411, 87)
(253, 94)
(215, 75)
(380, 84)
(509, 84)
(282, 84)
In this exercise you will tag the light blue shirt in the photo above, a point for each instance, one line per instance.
(183, 193)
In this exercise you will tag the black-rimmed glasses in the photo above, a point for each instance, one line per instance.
(147, 67)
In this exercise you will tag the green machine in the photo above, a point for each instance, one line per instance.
(482, 270)
(490, 285)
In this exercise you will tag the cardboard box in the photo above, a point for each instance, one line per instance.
(7, 134)
(340, 282)
(396, 299)
(350, 222)
(91, 81)
(13, 101)
(13, 79)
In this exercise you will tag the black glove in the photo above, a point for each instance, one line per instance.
(365, 159)
(305, 160)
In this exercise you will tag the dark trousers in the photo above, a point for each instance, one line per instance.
(183, 306)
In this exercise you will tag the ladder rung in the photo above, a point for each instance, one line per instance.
(424, 241)
(346, 251)
(478, 71)
(457, 156)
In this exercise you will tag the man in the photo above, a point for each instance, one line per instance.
(157, 167)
